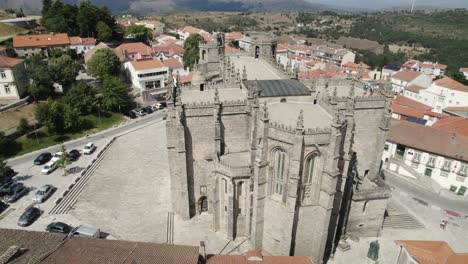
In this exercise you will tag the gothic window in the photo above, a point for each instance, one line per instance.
(225, 186)
(203, 54)
(203, 204)
(308, 180)
(278, 172)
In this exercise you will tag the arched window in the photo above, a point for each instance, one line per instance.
(309, 170)
(279, 161)
(310, 182)
(203, 54)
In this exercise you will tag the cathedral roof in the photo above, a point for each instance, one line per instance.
(276, 88)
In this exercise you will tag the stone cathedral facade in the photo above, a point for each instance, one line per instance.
(290, 167)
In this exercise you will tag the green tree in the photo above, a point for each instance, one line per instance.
(5, 171)
(72, 119)
(41, 83)
(51, 115)
(65, 70)
(23, 126)
(5, 143)
(82, 97)
(65, 160)
(460, 77)
(191, 50)
(104, 62)
(46, 5)
(139, 33)
(114, 94)
(87, 18)
(104, 32)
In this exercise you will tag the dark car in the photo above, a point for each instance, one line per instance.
(74, 154)
(16, 191)
(147, 109)
(43, 158)
(29, 216)
(163, 104)
(131, 114)
(6, 186)
(59, 227)
(3, 206)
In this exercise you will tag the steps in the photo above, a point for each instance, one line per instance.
(399, 218)
(69, 198)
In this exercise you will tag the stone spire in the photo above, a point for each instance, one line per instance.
(216, 95)
(337, 117)
(296, 71)
(265, 111)
(335, 92)
(352, 90)
(300, 120)
(244, 73)
(238, 75)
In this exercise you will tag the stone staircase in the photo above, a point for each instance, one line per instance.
(69, 197)
(398, 218)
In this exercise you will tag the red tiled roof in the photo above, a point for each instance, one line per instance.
(434, 65)
(186, 78)
(191, 30)
(40, 40)
(454, 124)
(432, 252)
(88, 41)
(75, 40)
(147, 64)
(169, 48)
(207, 36)
(7, 62)
(299, 58)
(234, 36)
(410, 63)
(406, 75)
(90, 53)
(463, 69)
(282, 47)
(229, 49)
(448, 82)
(415, 88)
(405, 101)
(136, 47)
(455, 108)
(356, 65)
(173, 63)
(407, 111)
(429, 139)
(2, 48)
(255, 257)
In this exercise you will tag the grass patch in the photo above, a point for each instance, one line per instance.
(29, 142)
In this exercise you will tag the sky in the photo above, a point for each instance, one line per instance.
(393, 3)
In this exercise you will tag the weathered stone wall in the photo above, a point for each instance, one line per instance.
(366, 217)
(235, 129)
(312, 232)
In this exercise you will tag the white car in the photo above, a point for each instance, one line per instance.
(49, 167)
(57, 156)
(89, 148)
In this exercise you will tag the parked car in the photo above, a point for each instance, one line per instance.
(57, 156)
(74, 154)
(86, 231)
(158, 106)
(147, 109)
(49, 167)
(3, 206)
(153, 107)
(43, 158)
(131, 114)
(43, 193)
(59, 227)
(29, 216)
(6, 187)
(16, 192)
(139, 112)
(89, 148)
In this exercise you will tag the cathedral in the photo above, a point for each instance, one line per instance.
(291, 166)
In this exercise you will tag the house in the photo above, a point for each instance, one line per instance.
(28, 45)
(90, 53)
(185, 32)
(163, 38)
(456, 111)
(256, 257)
(428, 252)
(24, 247)
(148, 77)
(234, 36)
(169, 51)
(428, 152)
(405, 78)
(465, 72)
(176, 67)
(404, 108)
(156, 26)
(454, 124)
(443, 93)
(82, 45)
(3, 51)
(430, 68)
(389, 70)
(338, 57)
(354, 68)
(135, 51)
(12, 78)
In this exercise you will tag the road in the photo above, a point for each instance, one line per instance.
(429, 197)
(80, 142)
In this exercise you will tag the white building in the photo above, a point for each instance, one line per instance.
(82, 45)
(148, 77)
(430, 152)
(442, 93)
(338, 57)
(427, 67)
(389, 70)
(176, 67)
(155, 26)
(185, 32)
(465, 72)
(12, 83)
(406, 78)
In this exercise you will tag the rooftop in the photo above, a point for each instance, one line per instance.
(173, 63)
(448, 82)
(415, 88)
(7, 62)
(137, 47)
(287, 113)
(406, 75)
(256, 69)
(432, 252)
(40, 40)
(429, 139)
(454, 124)
(207, 96)
(147, 64)
(277, 88)
(90, 53)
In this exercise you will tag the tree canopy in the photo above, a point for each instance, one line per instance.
(82, 97)
(191, 50)
(41, 83)
(114, 94)
(65, 70)
(104, 62)
(139, 33)
(104, 32)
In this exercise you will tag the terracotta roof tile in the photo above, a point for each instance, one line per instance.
(432, 252)
(88, 41)
(191, 30)
(75, 40)
(7, 62)
(463, 69)
(415, 88)
(173, 63)
(136, 47)
(448, 82)
(429, 139)
(406, 75)
(434, 65)
(40, 40)
(169, 48)
(147, 64)
(402, 100)
(455, 124)
(228, 49)
(186, 78)
(354, 65)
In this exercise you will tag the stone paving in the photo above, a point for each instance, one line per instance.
(257, 69)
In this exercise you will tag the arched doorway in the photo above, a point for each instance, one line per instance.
(257, 52)
(203, 204)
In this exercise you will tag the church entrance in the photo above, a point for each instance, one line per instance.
(257, 52)
(203, 204)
